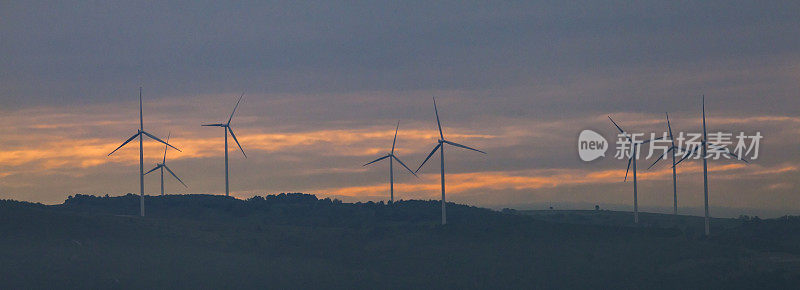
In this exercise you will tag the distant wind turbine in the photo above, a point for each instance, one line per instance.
(635, 147)
(141, 133)
(440, 147)
(674, 149)
(162, 166)
(227, 128)
(704, 146)
(392, 157)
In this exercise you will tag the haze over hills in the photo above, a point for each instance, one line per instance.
(299, 241)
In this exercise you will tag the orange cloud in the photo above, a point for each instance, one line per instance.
(538, 179)
(53, 152)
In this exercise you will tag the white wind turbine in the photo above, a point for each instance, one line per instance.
(141, 133)
(162, 166)
(392, 157)
(440, 147)
(704, 148)
(227, 128)
(634, 148)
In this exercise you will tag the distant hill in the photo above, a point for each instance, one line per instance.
(686, 223)
(299, 241)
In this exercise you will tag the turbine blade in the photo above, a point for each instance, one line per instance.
(164, 161)
(395, 136)
(669, 128)
(141, 114)
(213, 125)
(159, 140)
(629, 168)
(234, 109)
(463, 146)
(441, 135)
(737, 157)
(376, 160)
(728, 151)
(176, 177)
(687, 154)
(429, 157)
(650, 140)
(620, 129)
(615, 124)
(676, 151)
(237, 141)
(154, 169)
(404, 165)
(660, 157)
(126, 142)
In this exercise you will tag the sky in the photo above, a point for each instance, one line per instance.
(326, 82)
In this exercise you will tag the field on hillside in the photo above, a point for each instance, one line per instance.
(299, 241)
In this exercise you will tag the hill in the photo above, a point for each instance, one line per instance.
(299, 241)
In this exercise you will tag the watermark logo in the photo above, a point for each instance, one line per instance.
(591, 145)
(720, 145)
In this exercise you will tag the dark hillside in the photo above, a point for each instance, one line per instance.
(299, 241)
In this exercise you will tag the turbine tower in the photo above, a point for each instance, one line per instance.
(227, 128)
(440, 147)
(634, 148)
(704, 148)
(392, 157)
(162, 166)
(141, 133)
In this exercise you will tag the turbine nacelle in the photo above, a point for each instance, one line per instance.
(144, 133)
(392, 158)
(635, 145)
(163, 165)
(442, 141)
(160, 166)
(391, 155)
(227, 128)
(440, 146)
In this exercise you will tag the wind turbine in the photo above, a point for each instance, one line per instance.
(440, 147)
(141, 133)
(162, 166)
(227, 128)
(392, 157)
(674, 149)
(704, 147)
(635, 147)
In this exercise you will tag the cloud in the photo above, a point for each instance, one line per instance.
(539, 179)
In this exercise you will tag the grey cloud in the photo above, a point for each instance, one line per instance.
(74, 52)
